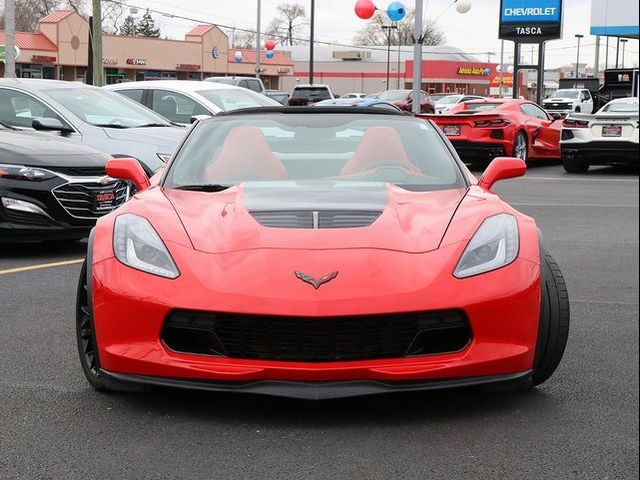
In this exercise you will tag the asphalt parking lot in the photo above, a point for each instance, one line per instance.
(583, 423)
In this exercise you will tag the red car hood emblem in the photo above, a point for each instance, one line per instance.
(313, 282)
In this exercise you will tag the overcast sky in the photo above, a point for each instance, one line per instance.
(474, 32)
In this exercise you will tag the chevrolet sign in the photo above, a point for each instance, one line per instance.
(530, 21)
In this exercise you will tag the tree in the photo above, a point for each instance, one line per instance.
(243, 40)
(147, 26)
(29, 12)
(373, 33)
(128, 27)
(286, 27)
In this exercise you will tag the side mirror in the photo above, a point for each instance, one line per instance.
(197, 118)
(128, 169)
(502, 168)
(50, 125)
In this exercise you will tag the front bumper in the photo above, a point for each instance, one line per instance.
(130, 309)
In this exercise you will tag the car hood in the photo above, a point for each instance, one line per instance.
(152, 136)
(43, 150)
(369, 215)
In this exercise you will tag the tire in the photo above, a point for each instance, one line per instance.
(553, 329)
(87, 345)
(574, 165)
(521, 146)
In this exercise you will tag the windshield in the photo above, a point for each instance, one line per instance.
(313, 93)
(450, 100)
(315, 148)
(234, 99)
(226, 81)
(106, 109)
(566, 94)
(621, 107)
(394, 95)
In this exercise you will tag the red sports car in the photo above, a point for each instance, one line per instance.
(481, 130)
(318, 253)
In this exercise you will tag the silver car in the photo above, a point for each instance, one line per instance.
(91, 116)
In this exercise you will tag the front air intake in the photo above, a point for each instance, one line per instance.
(315, 219)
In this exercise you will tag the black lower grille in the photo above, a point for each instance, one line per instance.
(28, 218)
(78, 199)
(310, 339)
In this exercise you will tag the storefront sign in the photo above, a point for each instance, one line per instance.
(187, 67)
(137, 61)
(43, 59)
(283, 70)
(532, 21)
(484, 71)
(109, 61)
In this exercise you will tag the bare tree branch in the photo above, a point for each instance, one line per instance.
(286, 26)
(373, 33)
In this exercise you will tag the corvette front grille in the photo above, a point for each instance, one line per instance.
(315, 219)
(78, 198)
(316, 339)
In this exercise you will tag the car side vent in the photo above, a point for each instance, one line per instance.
(316, 219)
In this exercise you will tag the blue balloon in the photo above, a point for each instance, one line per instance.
(269, 54)
(486, 72)
(396, 11)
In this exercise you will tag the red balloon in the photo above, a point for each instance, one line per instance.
(365, 9)
(269, 44)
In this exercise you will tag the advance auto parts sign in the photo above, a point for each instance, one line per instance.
(530, 21)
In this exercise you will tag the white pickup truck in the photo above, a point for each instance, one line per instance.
(569, 100)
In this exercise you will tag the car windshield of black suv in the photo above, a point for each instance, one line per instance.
(310, 148)
(311, 93)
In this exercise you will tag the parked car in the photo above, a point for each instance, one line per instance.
(303, 95)
(251, 83)
(318, 253)
(403, 99)
(358, 102)
(569, 100)
(447, 102)
(354, 95)
(481, 130)
(52, 188)
(609, 137)
(182, 101)
(281, 97)
(92, 116)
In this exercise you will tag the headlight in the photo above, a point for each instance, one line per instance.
(139, 246)
(30, 174)
(494, 245)
(165, 157)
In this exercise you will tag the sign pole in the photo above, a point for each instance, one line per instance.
(9, 49)
(417, 57)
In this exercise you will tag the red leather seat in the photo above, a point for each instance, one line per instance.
(378, 144)
(246, 154)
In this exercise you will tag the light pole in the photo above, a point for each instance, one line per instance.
(9, 49)
(579, 37)
(258, 25)
(624, 43)
(388, 29)
(312, 33)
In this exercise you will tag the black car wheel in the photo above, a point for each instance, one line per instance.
(86, 339)
(574, 165)
(553, 329)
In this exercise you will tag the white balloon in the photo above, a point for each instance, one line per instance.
(510, 69)
(463, 6)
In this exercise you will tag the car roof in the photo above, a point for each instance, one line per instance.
(314, 110)
(311, 85)
(40, 84)
(184, 85)
(627, 100)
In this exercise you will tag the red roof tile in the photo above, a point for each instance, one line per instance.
(199, 30)
(56, 16)
(31, 41)
(249, 56)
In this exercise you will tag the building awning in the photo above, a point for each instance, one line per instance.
(31, 41)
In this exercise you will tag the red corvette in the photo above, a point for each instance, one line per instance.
(481, 130)
(318, 253)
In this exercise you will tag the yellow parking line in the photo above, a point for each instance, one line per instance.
(41, 266)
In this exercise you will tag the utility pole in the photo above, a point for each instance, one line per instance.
(501, 79)
(417, 57)
(312, 34)
(10, 47)
(618, 54)
(579, 37)
(98, 74)
(596, 70)
(624, 44)
(388, 29)
(258, 39)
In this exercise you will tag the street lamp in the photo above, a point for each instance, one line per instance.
(388, 29)
(624, 43)
(578, 36)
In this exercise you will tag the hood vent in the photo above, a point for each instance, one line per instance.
(315, 219)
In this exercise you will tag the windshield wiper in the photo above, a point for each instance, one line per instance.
(110, 125)
(6, 125)
(207, 187)
(149, 125)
